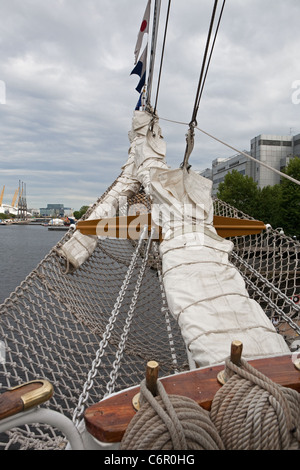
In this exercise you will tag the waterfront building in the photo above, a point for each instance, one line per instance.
(56, 210)
(222, 166)
(274, 150)
(52, 210)
(35, 212)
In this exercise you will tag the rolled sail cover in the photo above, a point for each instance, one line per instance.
(205, 292)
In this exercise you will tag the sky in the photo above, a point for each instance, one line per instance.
(67, 97)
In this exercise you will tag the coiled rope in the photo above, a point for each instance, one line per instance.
(169, 422)
(250, 412)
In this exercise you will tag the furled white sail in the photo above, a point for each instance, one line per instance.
(205, 292)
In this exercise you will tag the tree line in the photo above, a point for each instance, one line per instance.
(277, 205)
(81, 212)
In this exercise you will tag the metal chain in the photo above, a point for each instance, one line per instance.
(110, 386)
(106, 335)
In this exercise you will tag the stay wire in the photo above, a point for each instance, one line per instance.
(283, 175)
(162, 56)
(201, 83)
(197, 99)
(211, 52)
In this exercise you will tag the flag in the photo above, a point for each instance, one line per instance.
(139, 103)
(140, 69)
(141, 83)
(143, 29)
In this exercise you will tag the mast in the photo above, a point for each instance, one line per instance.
(156, 14)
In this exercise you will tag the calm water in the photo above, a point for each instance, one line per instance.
(22, 247)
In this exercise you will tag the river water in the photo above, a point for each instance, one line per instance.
(22, 247)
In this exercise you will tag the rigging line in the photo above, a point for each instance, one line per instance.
(212, 48)
(190, 135)
(162, 56)
(283, 175)
(196, 105)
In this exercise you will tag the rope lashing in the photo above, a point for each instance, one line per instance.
(250, 412)
(170, 422)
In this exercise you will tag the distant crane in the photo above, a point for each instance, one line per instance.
(22, 204)
(15, 198)
(20, 190)
(1, 197)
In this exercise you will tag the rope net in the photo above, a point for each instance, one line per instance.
(53, 323)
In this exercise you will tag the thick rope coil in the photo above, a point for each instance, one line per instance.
(170, 422)
(251, 412)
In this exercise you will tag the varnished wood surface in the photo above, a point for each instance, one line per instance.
(11, 402)
(108, 420)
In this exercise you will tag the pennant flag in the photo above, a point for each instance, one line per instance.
(139, 103)
(143, 29)
(140, 69)
(141, 83)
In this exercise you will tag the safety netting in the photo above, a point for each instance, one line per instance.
(111, 316)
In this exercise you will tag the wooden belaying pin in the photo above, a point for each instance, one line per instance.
(152, 376)
(151, 383)
(236, 352)
(235, 357)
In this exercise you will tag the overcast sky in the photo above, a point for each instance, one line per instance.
(70, 98)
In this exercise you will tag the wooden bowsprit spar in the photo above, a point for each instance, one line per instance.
(230, 227)
(130, 226)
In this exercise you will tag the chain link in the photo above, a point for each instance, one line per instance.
(107, 334)
(119, 354)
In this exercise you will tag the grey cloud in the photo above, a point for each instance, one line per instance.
(70, 96)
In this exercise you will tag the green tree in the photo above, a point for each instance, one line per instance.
(290, 206)
(269, 206)
(81, 212)
(240, 191)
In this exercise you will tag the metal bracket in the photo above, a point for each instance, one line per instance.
(37, 396)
